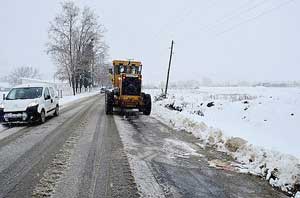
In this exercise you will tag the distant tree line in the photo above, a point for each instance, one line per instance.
(77, 47)
(15, 76)
(206, 82)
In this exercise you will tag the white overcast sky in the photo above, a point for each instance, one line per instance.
(224, 40)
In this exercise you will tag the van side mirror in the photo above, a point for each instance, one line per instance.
(4, 97)
(47, 97)
(110, 71)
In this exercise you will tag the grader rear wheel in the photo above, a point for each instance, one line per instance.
(109, 101)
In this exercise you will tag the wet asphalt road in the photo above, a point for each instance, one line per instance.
(78, 154)
(163, 167)
(84, 153)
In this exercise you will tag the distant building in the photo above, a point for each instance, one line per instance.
(4, 86)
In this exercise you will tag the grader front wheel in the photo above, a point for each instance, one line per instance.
(147, 104)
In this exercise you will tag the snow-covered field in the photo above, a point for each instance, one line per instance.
(268, 119)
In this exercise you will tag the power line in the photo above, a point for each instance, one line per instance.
(179, 19)
(255, 17)
(228, 18)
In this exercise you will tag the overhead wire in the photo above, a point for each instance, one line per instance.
(187, 12)
(227, 18)
(265, 12)
(179, 19)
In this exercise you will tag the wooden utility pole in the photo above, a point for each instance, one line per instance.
(170, 62)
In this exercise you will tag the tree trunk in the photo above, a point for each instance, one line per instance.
(80, 85)
(73, 85)
(76, 84)
(70, 82)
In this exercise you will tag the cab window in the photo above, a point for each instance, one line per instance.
(119, 69)
(122, 69)
(133, 70)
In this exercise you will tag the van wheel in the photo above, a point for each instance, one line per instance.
(6, 125)
(42, 117)
(56, 113)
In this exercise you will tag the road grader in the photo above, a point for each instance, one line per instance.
(126, 92)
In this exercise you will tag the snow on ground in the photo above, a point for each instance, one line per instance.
(67, 100)
(267, 118)
(177, 148)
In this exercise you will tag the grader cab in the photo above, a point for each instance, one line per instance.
(126, 92)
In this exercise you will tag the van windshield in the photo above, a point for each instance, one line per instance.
(25, 93)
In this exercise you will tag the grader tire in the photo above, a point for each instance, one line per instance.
(109, 100)
(147, 103)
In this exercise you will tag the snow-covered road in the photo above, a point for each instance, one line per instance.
(170, 163)
(85, 153)
(78, 154)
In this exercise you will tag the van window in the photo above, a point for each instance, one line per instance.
(25, 93)
(52, 91)
(46, 93)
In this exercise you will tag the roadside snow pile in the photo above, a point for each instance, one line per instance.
(257, 126)
(67, 100)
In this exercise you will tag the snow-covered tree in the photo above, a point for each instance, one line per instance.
(75, 42)
(15, 77)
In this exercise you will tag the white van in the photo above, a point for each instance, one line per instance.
(29, 103)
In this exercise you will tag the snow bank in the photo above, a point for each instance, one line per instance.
(67, 100)
(266, 120)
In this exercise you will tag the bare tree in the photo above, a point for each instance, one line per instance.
(75, 40)
(102, 75)
(15, 77)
